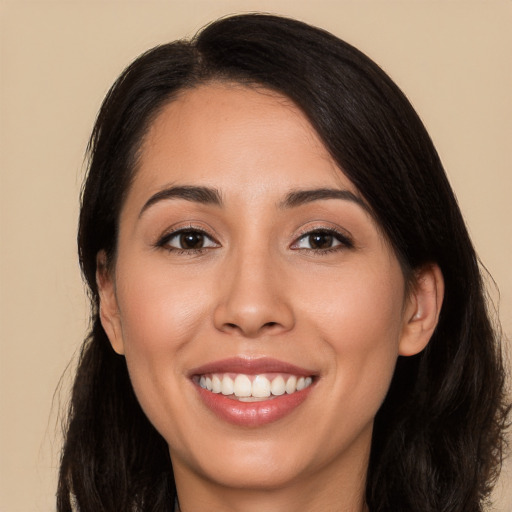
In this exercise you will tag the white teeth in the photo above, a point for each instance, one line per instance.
(291, 384)
(216, 384)
(278, 386)
(246, 387)
(242, 386)
(227, 385)
(260, 386)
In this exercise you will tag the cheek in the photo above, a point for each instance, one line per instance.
(159, 316)
(158, 308)
(360, 319)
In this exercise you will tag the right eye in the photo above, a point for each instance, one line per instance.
(187, 240)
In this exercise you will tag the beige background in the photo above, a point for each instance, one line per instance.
(452, 58)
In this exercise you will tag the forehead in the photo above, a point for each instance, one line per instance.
(238, 139)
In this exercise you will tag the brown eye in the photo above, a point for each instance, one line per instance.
(320, 240)
(191, 240)
(187, 240)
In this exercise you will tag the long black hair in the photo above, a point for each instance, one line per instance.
(439, 436)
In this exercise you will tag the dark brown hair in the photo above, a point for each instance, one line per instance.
(439, 436)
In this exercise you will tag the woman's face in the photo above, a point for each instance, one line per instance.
(248, 264)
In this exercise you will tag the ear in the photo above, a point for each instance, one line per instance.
(422, 310)
(109, 311)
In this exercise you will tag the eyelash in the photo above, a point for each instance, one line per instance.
(164, 241)
(344, 241)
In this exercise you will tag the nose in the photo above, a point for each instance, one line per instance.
(253, 298)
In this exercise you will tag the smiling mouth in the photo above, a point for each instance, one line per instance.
(252, 392)
(252, 388)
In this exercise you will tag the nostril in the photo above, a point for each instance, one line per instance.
(231, 326)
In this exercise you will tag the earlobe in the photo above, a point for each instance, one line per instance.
(108, 308)
(422, 311)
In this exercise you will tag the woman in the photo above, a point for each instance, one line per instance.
(287, 309)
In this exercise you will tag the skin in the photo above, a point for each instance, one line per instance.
(258, 288)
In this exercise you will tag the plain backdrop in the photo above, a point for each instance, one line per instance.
(453, 59)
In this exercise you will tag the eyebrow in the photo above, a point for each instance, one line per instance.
(203, 195)
(300, 197)
(208, 195)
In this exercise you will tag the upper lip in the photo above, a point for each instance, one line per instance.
(250, 366)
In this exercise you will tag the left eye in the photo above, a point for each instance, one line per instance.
(189, 240)
(319, 240)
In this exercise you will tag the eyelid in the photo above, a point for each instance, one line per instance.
(173, 232)
(345, 240)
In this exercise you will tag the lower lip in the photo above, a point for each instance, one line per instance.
(252, 414)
